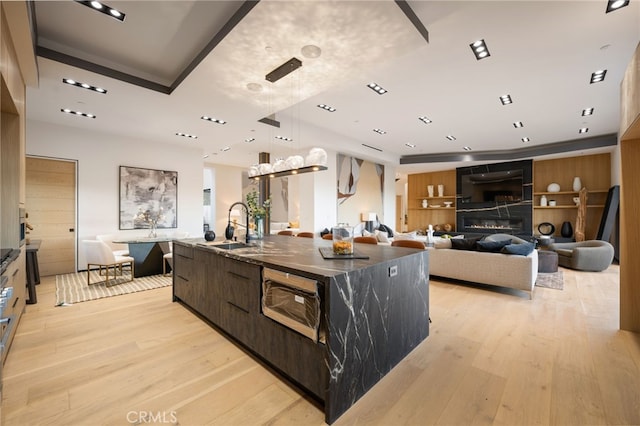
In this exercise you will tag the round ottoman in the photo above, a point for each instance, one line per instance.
(547, 261)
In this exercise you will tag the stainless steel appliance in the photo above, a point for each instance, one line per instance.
(292, 301)
(23, 225)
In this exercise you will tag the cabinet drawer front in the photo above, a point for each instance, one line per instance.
(184, 251)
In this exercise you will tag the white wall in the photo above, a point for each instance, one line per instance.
(99, 157)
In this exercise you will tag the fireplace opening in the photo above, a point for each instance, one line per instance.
(508, 225)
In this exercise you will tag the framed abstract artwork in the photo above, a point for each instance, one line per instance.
(148, 198)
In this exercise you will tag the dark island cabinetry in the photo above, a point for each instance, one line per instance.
(369, 313)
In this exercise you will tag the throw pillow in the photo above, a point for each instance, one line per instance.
(366, 233)
(386, 229)
(464, 243)
(522, 249)
(405, 236)
(382, 236)
(442, 243)
(492, 246)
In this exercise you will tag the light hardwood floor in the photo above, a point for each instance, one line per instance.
(491, 358)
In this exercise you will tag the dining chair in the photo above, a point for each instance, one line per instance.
(328, 236)
(118, 249)
(408, 243)
(285, 232)
(98, 253)
(305, 234)
(365, 240)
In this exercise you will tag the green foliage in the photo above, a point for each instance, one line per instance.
(255, 210)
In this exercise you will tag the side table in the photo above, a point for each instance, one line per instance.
(547, 261)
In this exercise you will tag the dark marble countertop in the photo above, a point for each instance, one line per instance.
(303, 254)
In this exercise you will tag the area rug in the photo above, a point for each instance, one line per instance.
(72, 288)
(553, 280)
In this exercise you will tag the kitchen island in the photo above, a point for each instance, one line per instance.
(335, 336)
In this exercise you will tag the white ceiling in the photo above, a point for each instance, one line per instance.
(542, 54)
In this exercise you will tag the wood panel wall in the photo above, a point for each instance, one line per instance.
(629, 197)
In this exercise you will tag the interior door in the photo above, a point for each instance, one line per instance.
(51, 210)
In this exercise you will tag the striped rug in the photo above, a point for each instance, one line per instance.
(72, 288)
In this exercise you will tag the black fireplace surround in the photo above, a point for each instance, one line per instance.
(495, 198)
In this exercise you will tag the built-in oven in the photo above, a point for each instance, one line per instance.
(293, 301)
(22, 214)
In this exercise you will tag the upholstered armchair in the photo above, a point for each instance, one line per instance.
(591, 255)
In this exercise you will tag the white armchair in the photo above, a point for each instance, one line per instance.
(98, 253)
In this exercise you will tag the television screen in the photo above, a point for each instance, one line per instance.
(502, 187)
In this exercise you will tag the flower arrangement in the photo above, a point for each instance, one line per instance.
(149, 217)
(256, 210)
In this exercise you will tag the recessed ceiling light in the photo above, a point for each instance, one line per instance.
(213, 120)
(583, 130)
(598, 76)
(506, 99)
(410, 145)
(101, 7)
(451, 137)
(466, 148)
(249, 140)
(205, 156)
(425, 120)
(371, 147)
(283, 138)
(83, 114)
(311, 51)
(327, 107)
(377, 88)
(587, 111)
(480, 49)
(525, 139)
(225, 149)
(84, 85)
(186, 135)
(616, 4)
(517, 124)
(379, 131)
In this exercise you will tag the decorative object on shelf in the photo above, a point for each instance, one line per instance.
(448, 203)
(543, 201)
(576, 200)
(553, 187)
(435, 205)
(425, 203)
(447, 227)
(582, 215)
(430, 190)
(209, 235)
(577, 184)
(546, 228)
(437, 228)
(566, 230)
(440, 190)
(552, 203)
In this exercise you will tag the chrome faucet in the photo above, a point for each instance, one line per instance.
(228, 232)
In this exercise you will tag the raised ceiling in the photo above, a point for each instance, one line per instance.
(169, 63)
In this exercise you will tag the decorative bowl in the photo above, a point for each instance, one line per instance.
(553, 187)
(448, 203)
(434, 205)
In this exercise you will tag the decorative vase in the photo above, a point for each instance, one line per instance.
(209, 235)
(566, 230)
(430, 190)
(259, 221)
(440, 190)
(425, 204)
(577, 184)
(152, 230)
(543, 201)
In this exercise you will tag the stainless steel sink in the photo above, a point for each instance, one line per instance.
(231, 245)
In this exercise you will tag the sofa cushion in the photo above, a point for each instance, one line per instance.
(386, 229)
(522, 249)
(405, 236)
(382, 236)
(442, 243)
(492, 246)
(464, 243)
